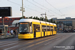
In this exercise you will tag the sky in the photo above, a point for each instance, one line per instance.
(53, 8)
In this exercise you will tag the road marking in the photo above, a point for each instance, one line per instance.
(41, 42)
(30, 45)
(8, 45)
(4, 41)
(36, 44)
(11, 47)
(51, 41)
(55, 40)
(47, 37)
(16, 46)
(30, 42)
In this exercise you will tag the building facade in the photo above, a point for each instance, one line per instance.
(66, 25)
(8, 21)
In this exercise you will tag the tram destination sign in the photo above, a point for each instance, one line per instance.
(5, 11)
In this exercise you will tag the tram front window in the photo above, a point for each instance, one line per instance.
(24, 27)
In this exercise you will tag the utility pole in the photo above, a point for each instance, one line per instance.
(45, 16)
(22, 9)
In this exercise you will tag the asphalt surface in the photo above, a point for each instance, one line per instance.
(61, 41)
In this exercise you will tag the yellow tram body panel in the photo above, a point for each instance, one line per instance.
(48, 32)
(25, 36)
(43, 23)
(45, 33)
(55, 30)
(42, 34)
(36, 22)
(51, 25)
(48, 24)
(38, 34)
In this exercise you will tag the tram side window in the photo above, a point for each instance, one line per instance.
(55, 28)
(51, 28)
(48, 28)
(43, 28)
(36, 28)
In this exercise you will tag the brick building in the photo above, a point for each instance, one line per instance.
(8, 21)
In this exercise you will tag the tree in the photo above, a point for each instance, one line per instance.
(34, 17)
(37, 17)
(51, 21)
(23, 17)
(41, 18)
(30, 17)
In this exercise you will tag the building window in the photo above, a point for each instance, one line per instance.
(10, 19)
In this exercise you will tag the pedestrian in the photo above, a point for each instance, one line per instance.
(8, 31)
(15, 32)
(0, 32)
(12, 33)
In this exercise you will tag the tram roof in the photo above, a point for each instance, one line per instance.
(31, 20)
(28, 20)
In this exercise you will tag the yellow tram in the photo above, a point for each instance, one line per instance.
(31, 28)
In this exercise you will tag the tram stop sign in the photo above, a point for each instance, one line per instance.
(5, 11)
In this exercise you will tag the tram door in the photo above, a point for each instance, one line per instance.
(37, 32)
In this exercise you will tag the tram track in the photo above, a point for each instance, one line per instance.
(32, 41)
(23, 44)
(18, 47)
(32, 45)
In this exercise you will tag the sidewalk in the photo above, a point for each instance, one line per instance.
(8, 36)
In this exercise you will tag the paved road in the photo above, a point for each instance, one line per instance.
(61, 41)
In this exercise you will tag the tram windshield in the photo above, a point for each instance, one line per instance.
(24, 27)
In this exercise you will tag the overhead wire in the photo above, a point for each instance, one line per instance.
(14, 3)
(53, 6)
(25, 6)
(45, 7)
(36, 5)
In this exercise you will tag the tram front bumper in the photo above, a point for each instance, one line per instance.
(25, 36)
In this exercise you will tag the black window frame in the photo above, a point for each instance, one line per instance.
(36, 27)
(44, 29)
(28, 28)
(51, 28)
